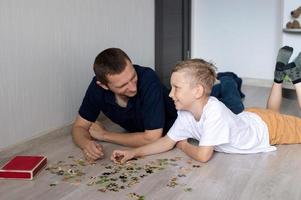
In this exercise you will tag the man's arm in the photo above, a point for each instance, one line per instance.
(136, 139)
(199, 153)
(81, 137)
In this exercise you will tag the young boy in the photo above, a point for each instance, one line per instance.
(209, 121)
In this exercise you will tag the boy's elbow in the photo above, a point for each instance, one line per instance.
(203, 160)
(203, 157)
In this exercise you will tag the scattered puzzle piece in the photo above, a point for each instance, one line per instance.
(116, 177)
(134, 196)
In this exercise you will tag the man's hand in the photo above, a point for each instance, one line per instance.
(120, 156)
(93, 151)
(97, 131)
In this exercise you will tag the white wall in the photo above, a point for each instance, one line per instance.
(238, 35)
(46, 56)
(291, 39)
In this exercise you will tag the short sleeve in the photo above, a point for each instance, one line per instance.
(216, 128)
(153, 103)
(89, 108)
(180, 130)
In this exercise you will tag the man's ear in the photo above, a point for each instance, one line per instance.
(199, 91)
(102, 85)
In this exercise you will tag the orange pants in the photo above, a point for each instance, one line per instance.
(283, 129)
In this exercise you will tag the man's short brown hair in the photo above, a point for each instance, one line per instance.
(198, 71)
(109, 62)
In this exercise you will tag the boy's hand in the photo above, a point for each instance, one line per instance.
(119, 156)
(97, 131)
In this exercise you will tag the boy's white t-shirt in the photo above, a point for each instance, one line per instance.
(219, 127)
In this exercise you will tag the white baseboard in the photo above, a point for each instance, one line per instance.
(263, 83)
(257, 82)
(38, 136)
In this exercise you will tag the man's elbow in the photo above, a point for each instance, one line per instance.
(73, 131)
(152, 137)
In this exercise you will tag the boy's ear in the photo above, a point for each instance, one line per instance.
(199, 92)
(102, 85)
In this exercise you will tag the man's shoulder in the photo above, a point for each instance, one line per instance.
(145, 72)
(93, 88)
(147, 78)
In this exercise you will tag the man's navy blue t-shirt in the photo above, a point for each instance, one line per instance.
(151, 108)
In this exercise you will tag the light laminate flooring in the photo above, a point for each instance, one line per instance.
(274, 175)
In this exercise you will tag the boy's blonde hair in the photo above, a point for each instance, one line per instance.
(198, 71)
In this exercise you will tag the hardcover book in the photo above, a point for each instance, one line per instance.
(23, 167)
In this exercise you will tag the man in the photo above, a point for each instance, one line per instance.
(131, 96)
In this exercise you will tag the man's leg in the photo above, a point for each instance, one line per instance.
(230, 95)
(275, 97)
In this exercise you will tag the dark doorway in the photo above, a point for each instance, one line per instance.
(172, 35)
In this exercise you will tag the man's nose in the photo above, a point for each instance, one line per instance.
(171, 93)
(132, 86)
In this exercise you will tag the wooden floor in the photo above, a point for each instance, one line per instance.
(274, 175)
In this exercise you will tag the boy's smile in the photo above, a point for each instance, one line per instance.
(186, 94)
(181, 91)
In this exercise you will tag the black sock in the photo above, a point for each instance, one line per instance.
(283, 57)
(294, 70)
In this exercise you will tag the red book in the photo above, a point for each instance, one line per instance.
(23, 167)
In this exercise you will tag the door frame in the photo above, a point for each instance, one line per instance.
(186, 33)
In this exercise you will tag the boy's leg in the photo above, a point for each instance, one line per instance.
(294, 72)
(275, 97)
(283, 129)
(298, 91)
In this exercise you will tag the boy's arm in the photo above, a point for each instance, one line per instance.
(161, 145)
(199, 153)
